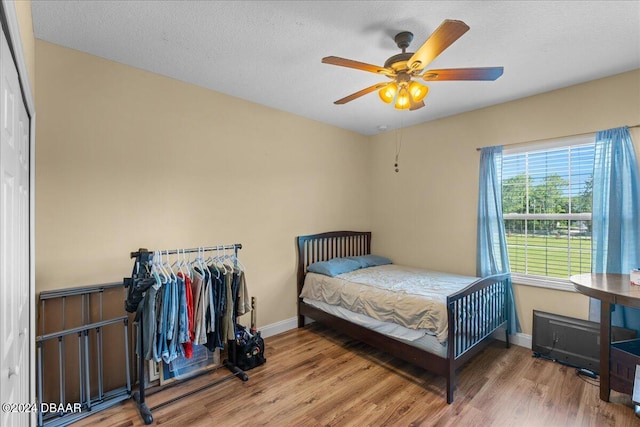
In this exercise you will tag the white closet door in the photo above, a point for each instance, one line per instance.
(14, 243)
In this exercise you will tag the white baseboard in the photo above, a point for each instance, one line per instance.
(519, 339)
(279, 327)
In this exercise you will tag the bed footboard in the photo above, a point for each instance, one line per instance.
(476, 312)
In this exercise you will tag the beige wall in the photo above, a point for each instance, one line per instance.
(126, 158)
(129, 159)
(426, 214)
(23, 12)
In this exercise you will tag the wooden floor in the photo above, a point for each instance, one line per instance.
(315, 377)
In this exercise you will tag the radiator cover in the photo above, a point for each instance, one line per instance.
(571, 341)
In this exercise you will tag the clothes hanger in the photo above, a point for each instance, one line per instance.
(200, 260)
(196, 261)
(163, 266)
(218, 260)
(230, 259)
(227, 268)
(154, 270)
(183, 264)
(159, 268)
(176, 264)
(169, 268)
(188, 264)
(237, 261)
(212, 260)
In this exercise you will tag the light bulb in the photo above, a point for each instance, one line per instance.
(402, 101)
(388, 92)
(418, 91)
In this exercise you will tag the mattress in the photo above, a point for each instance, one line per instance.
(410, 297)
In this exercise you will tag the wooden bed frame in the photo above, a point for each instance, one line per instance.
(486, 298)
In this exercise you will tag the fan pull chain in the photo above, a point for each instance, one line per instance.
(398, 145)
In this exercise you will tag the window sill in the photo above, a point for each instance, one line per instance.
(543, 282)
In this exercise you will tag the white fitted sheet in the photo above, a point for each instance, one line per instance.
(420, 338)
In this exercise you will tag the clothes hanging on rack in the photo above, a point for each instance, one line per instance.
(188, 316)
(196, 305)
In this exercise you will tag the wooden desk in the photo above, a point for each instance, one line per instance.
(609, 289)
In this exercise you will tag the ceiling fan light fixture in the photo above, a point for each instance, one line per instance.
(388, 92)
(402, 68)
(418, 91)
(403, 101)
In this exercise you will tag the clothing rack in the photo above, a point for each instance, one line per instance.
(142, 256)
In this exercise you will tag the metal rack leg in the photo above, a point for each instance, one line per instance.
(230, 363)
(236, 371)
(139, 397)
(145, 413)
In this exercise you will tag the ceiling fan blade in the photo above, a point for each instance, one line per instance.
(486, 73)
(415, 105)
(343, 62)
(447, 33)
(360, 93)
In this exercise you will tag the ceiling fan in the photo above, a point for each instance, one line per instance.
(404, 67)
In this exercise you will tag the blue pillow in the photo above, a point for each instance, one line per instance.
(334, 266)
(370, 260)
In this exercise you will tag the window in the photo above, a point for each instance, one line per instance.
(546, 201)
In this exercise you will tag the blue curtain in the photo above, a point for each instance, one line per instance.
(492, 256)
(616, 215)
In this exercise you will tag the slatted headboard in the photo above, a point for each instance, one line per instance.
(325, 246)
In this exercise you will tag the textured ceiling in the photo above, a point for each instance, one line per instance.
(269, 52)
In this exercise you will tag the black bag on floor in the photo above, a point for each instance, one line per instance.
(249, 349)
